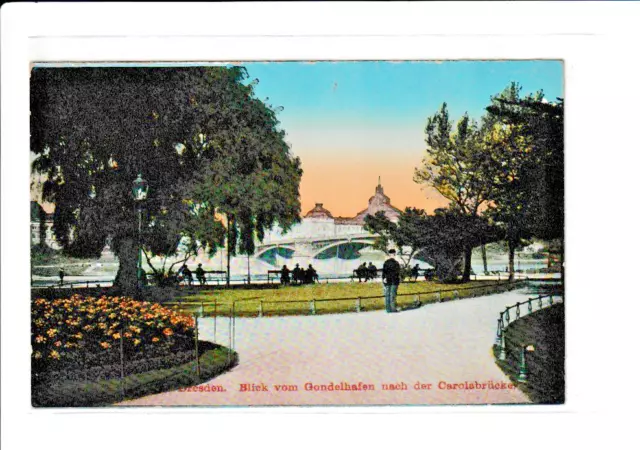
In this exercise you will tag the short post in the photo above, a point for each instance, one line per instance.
(195, 318)
(122, 392)
(499, 331)
(358, 305)
(438, 297)
(456, 295)
(230, 342)
(503, 346)
(260, 310)
(201, 309)
(524, 372)
(416, 299)
(312, 306)
(215, 319)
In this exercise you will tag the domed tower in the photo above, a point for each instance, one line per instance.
(379, 202)
(318, 212)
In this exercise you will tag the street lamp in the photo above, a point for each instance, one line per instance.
(139, 191)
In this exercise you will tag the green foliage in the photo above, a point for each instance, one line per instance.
(438, 239)
(207, 147)
(524, 137)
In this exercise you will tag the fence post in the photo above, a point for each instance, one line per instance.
(195, 318)
(215, 319)
(358, 305)
(499, 330)
(456, 295)
(260, 311)
(522, 374)
(503, 347)
(312, 306)
(122, 391)
(229, 347)
(201, 309)
(439, 297)
(416, 299)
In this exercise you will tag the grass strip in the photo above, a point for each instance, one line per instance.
(214, 360)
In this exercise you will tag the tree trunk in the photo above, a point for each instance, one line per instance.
(127, 278)
(466, 275)
(484, 258)
(512, 254)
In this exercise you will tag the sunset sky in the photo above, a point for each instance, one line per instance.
(351, 122)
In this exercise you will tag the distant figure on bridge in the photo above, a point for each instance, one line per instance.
(373, 271)
(391, 281)
(415, 271)
(311, 276)
(298, 275)
(284, 275)
(61, 275)
(200, 275)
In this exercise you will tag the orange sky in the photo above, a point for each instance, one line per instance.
(344, 180)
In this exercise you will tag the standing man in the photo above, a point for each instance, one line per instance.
(391, 280)
(61, 275)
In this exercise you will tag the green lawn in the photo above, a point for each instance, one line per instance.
(298, 300)
(543, 329)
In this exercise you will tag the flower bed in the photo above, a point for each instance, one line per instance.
(86, 337)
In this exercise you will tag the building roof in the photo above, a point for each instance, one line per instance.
(318, 212)
(378, 202)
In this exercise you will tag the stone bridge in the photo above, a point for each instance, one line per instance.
(310, 248)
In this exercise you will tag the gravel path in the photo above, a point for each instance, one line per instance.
(439, 344)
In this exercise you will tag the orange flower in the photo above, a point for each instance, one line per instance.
(57, 343)
(155, 339)
(40, 339)
(51, 332)
(105, 345)
(167, 331)
(54, 355)
(116, 335)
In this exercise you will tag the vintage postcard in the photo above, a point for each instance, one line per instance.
(297, 233)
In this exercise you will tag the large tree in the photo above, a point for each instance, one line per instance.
(525, 140)
(439, 239)
(456, 166)
(189, 131)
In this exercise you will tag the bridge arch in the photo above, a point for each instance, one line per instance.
(262, 250)
(323, 249)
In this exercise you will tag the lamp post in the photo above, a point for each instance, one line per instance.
(139, 191)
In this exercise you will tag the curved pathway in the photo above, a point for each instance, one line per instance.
(439, 344)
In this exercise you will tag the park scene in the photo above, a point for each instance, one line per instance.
(297, 233)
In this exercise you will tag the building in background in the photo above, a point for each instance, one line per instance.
(42, 227)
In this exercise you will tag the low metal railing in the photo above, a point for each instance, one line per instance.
(257, 307)
(515, 312)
